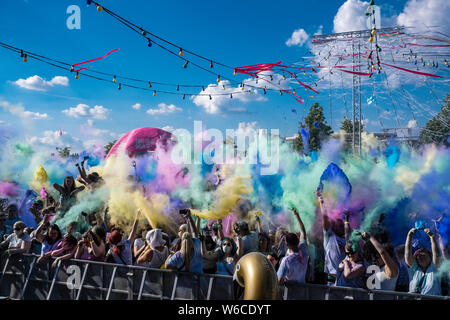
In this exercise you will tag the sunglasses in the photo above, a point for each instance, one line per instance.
(227, 244)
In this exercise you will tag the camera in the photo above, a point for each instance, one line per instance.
(184, 211)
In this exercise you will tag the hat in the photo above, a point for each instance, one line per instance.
(115, 237)
(418, 251)
(154, 238)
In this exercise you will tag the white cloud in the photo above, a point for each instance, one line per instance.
(319, 31)
(83, 110)
(221, 97)
(39, 84)
(351, 16)
(168, 128)
(246, 128)
(422, 14)
(136, 106)
(164, 109)
(298, 38)
(19, 110)
(55, 139)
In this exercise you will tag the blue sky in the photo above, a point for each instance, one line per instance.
(234, 32)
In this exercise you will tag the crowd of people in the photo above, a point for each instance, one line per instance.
(339, 257)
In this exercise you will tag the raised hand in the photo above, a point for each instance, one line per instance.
(412, 232)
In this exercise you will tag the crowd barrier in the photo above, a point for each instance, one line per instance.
(22, 278)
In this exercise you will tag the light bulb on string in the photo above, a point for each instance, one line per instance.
(77, 76)
(154, 93)
(203, 88)
(21, 53)
(119, 87)
(271, 78)
(186, 64)
(242, 87)
(223, 87)
(149, 42)
(114, 79)
(181, 52)
(184, 96)
(446, 63)
(218, 79)
(231, 96)
(178, 87)
(249, 91)
(149, 84)
(371, 39)
(210, 98)
(373, 32)
(234, 73)
(211, 64)
(99, 8)
(265, 91)
(25, 58)
(294, 92)
(281, 93)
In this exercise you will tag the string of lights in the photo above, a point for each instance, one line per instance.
(67, 67)
(150, 37)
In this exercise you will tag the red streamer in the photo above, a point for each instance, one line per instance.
(415, 72)
(255, 69)
(428, 45)
(76, 64)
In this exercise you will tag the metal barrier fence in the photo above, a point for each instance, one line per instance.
(22, 278)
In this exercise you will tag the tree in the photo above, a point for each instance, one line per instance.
(64, 153)
(347, 125)
(318, 129)
(109, 145)
(437, 129)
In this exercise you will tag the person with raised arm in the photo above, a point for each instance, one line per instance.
(333, 242)
(383, 256)
(121, 248)
(423, 273)
(189, 257)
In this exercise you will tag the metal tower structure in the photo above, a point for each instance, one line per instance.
(355, 39)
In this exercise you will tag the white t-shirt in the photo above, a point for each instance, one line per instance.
(15, 242)
(427, 282)
(385, 282)
(293, 266)
(333, 253)
(139, 242)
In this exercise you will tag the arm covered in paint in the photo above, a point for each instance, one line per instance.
(434, 248)
(134, 228)
(391, 267)
(347, 228)
(325, 222)
(300, 225)
(409, 259)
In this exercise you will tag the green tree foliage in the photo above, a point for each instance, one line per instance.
(347, 125)
(109, 145)
(64, 152)
(437, 129)
(318, 129)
